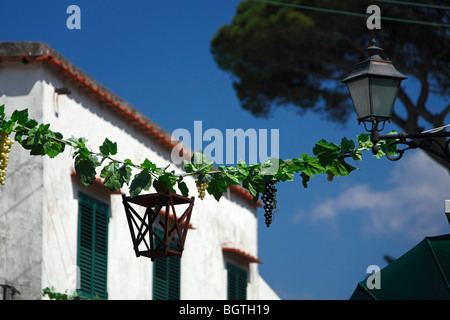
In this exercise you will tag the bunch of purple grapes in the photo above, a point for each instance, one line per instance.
(269, 200)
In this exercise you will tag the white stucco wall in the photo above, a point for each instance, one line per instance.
(21, 201)
(40, 202)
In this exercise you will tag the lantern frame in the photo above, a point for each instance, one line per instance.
(147, 241)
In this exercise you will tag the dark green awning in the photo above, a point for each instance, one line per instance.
(421, 273)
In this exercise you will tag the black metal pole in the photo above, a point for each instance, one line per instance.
(404, 135)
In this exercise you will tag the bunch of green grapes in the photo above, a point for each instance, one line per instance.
(202, 185)
(5, 146)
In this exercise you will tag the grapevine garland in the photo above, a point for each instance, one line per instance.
(329, 158)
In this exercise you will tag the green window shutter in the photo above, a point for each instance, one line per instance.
(237, 283)
(93, 219)
(160, 279)
(166, 277)
(174, 278)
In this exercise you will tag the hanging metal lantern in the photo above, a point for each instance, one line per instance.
(156, 229)
(373, 87)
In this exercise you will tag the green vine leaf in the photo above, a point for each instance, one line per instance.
(108, 148)
(148, 165)
(242, 170)
(364, 141)
(326, 152)
(129, 162)
(305, 179)
(349, 168)
(115, 176)
(217, 186)
(80, 146)
(347, 146)
(34, 141)
(285, 173)
(356, 155)
(230, 174)
(52, 146)
(85, 168)
(310, 166)
(165, 182)
(21, 117)
(199, 163)
(72, 141)
(182, 186)
(141, 181)
(254, 183)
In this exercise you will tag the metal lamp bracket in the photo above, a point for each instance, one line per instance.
(428, 142)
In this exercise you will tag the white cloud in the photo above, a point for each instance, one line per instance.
(412, 204)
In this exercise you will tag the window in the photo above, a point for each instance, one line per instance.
(166, 276)
(93, 219)
(237, 283)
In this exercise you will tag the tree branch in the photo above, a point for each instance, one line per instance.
(398, 120)
(421, 101)
(407, 102)
(410, 124)
(444, 112)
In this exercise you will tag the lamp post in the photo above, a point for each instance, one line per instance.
(373, 87)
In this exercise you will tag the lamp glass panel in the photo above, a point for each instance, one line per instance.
(359, 91)
(383, 92)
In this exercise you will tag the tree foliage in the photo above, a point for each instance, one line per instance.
(286, 56)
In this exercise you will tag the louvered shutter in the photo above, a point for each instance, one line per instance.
(237, 283)
(166, 276)
(174, 278)
(93, 246)
(160, 281)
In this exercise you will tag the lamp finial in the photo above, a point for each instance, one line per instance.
(374, 51)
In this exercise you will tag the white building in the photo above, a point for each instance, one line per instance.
(42, 201)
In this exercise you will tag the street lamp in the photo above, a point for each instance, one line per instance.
(373, 87)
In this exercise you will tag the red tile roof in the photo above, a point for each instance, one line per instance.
(13, 51)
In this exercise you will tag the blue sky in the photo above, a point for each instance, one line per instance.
(155, 55)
